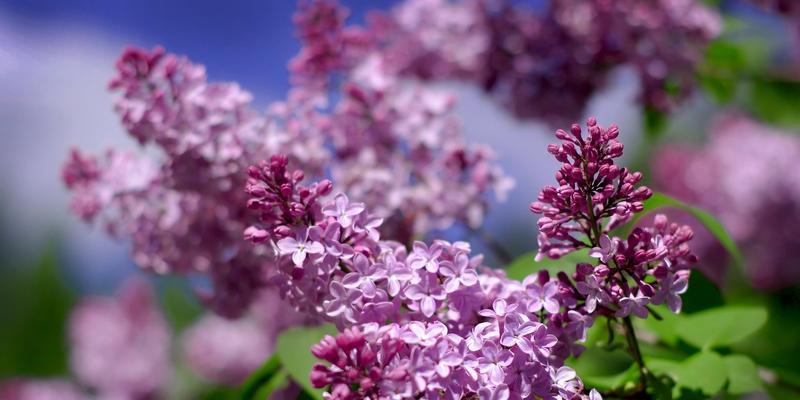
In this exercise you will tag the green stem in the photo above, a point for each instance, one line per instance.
(633, 344)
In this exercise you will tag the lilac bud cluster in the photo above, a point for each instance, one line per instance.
(595, 196)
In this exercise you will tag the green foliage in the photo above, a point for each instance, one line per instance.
(526, 265)
(261, 379)
(723, 62)
(293, 352)
(34, 320)
(722, 326)
(776, 101)
(742, 374)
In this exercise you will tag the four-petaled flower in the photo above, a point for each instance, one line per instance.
(635, 305)
(494, 361)
(672, 286)
(425, 335)
(458, 273)
(343, 210)
(299, 247)
(544, 297)
(364, 276)
(427, 293)
(425, 257)
(606, 251)
(593, 290)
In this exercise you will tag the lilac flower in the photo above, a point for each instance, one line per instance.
(606, 250)
(592, 289)
(364, 276)
(342, 299)
(343, 210)
(427, 293)
(500, 308)
(299, 247)
(544, 297)
(494, 361)
(499, 392)
(426, 336)
(425, 257)
(670, 289)
(458, 273)
(633, 305)
(516, 332)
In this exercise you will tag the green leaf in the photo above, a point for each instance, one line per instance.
(654, 122)
(33, 340)
(776, 101)
(526, 265)
(720, 70)
(722, 326)
(660, 200)
(277, 382)
(294, 351)
(704, 371)
(664, 329)
(260, 377)
(742, 374)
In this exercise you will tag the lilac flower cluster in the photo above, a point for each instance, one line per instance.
(391, 144)
(748, 189)
(119, 349)
(548, 65)
(454, 330)
(595, 196)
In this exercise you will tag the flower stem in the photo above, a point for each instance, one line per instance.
(633, 345)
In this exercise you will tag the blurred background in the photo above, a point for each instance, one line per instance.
(56, 57)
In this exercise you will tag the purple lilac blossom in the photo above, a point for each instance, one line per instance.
(548, 65)
(746, 174)
(119, 346)
(595, 196)
(392, 144)
(454, 330)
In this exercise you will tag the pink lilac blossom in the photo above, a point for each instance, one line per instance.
(483, 335)
(454, 330)
(50, 389)
(119, 349)
(394, 145)
(120, 346)
(594, 197)
(548, 65)
(746, 174)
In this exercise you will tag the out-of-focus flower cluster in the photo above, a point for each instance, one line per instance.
(455, 331)
(390, 143)
(746, 175)
(548, 65)
(595, 196)
(119, 350)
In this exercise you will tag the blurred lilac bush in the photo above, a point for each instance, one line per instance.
(747, 190)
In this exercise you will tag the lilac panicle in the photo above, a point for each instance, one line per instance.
(595, 196)
(454, 330)
(184, 212)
